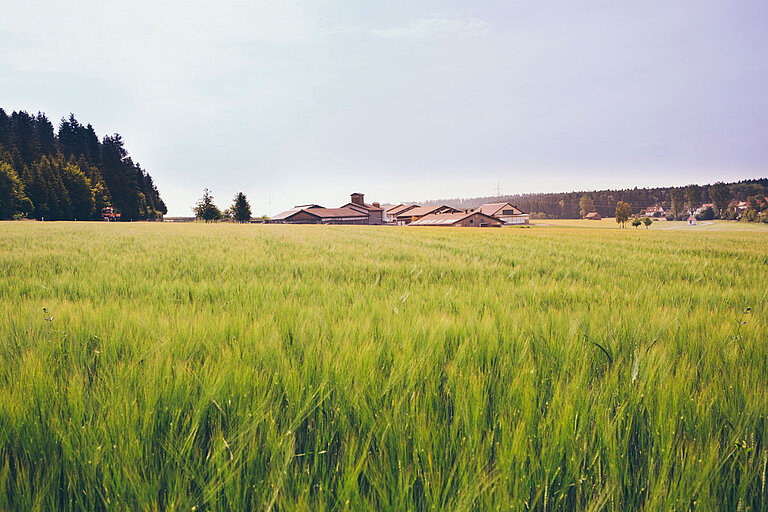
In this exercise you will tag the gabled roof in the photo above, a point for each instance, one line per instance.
(321, 213)
(364, 206)
(337, 212)
(448, 219)
(421, 211)
(289, 213)
(592, 215)
(400, 208)
(494, 208)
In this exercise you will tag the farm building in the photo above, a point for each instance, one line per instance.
(414, 214)
(391, 214)
(507, 213)
(355, 212)
(320, 215)
(375, 211)
(691, 220)
(593, 216)
(473, 219)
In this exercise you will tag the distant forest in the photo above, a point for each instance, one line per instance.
(69, 174)
(565, 205)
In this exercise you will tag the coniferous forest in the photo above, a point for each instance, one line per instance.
(565, 205)
(69, 174)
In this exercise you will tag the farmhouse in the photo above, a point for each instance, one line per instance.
(470, 219)
(593, 216)
(507, 213)
(355, 212)
(414, 214)
(654, 211)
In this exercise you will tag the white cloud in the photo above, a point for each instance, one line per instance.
(424, 28)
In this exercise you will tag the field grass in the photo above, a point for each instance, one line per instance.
(238, 367)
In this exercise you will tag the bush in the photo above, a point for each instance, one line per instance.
(749, 215)
(707, 214)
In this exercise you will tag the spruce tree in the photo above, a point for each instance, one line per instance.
(241, 209)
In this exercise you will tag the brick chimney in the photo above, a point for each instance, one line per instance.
(358, 198)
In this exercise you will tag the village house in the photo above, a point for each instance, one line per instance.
(506, 212)
(476, 219)
(654, 211)
(703, 207)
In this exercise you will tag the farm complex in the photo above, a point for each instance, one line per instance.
(357, 211)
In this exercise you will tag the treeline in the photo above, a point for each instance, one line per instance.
(69, 174)
(565, 205)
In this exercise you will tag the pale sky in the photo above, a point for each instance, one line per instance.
(295, 102)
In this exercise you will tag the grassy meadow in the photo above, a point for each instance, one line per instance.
(230, 367)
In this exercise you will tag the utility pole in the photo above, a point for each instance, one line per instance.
(498, 189)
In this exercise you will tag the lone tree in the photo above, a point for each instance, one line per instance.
(205, 209)
(586, 205)
(647, 221)
(241, 209)
(623, 211)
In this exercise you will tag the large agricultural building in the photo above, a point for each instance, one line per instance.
(357, 211)
(471, 219)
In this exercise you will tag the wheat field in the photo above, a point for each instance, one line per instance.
(231, 367)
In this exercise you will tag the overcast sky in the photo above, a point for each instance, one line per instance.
(307, 101)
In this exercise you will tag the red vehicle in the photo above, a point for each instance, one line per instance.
(108, 214)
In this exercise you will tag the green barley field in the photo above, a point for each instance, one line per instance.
(182, 367)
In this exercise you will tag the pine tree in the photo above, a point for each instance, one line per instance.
(241, 209)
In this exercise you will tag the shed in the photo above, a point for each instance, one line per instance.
(593, 216)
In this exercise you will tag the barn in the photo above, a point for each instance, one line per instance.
(355, 212)
(472, 219)
(414, 214)
(506, 212)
